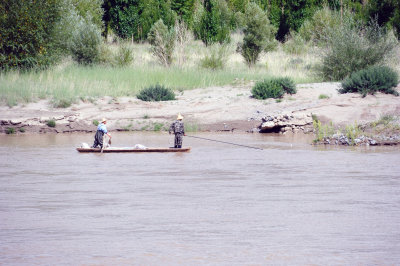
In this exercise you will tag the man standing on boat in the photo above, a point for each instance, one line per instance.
(101, 130)
(179, 130)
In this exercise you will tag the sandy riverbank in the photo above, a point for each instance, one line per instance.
(204, 109)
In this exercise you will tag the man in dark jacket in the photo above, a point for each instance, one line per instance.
(178, 129)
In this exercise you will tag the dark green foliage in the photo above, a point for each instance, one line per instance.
(215, 21)
(371, 80)
(134, 18)
(382, 10)
(156, 93)
(22, 130)
(26, 33)
(353, 47)
(51, 123)
(95, 122)
(267, 89)
(287, 84)
(258, 34)
(184, 9)
(10, 130)
(273, 88)
(396, 21)
(288, 16)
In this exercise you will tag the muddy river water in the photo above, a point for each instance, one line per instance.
(288, 204)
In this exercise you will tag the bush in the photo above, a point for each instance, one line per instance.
(124, 56)
(273, 88)
(10, 130)
(267, 89)
(287, 84)
(295, 45)
(156, 93)
(371, 80)
(354, 47)
(315, 29)
(259, 35)
(51, 123)
(22, 130)
(86, 42)
(216, 57)
(95, 122)
(162, 42)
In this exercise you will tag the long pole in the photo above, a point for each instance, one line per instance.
(251, 147)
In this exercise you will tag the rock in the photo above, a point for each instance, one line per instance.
(16, 121)
(267, 125)
(43, 119)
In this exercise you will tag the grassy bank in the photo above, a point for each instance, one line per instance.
(69, 82)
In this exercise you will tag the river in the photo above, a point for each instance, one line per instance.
(288, 204)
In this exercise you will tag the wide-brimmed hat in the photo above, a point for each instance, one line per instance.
(103, 120)
(180, 117)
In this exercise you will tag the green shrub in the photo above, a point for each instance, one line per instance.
(62, 103)
(156, 93)
(371, 80)
(323, 96)
(124, 56)
(106, 56)
(162, 42)
(85, 46)
(216, 58)
(158, 126)
(295, 45)
(273, 88)
(10, 130)
(287, 84)
(259, 35)
(51, 123)
(95, 122)
(354, 47)
(267, 89)
(315, 29)
(22, 130)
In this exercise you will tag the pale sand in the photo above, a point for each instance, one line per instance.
(214, 108)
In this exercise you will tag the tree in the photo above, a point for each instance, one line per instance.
(27, 33)
(162, 42)
(134, 18)
(215, 22)
(258, 34)
(184, 9)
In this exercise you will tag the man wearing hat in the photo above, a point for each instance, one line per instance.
(101, 130)
(179, 130)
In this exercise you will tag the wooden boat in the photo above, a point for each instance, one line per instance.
(132, 149)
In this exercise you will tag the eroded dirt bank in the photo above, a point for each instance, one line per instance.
(207, 109)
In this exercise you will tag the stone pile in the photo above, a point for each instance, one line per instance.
(286, 123)
(341, 139)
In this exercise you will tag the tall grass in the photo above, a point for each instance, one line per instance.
(66, 83)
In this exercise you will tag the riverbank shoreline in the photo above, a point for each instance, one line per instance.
(213, 109)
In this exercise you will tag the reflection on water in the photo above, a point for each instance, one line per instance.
(290, 203)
